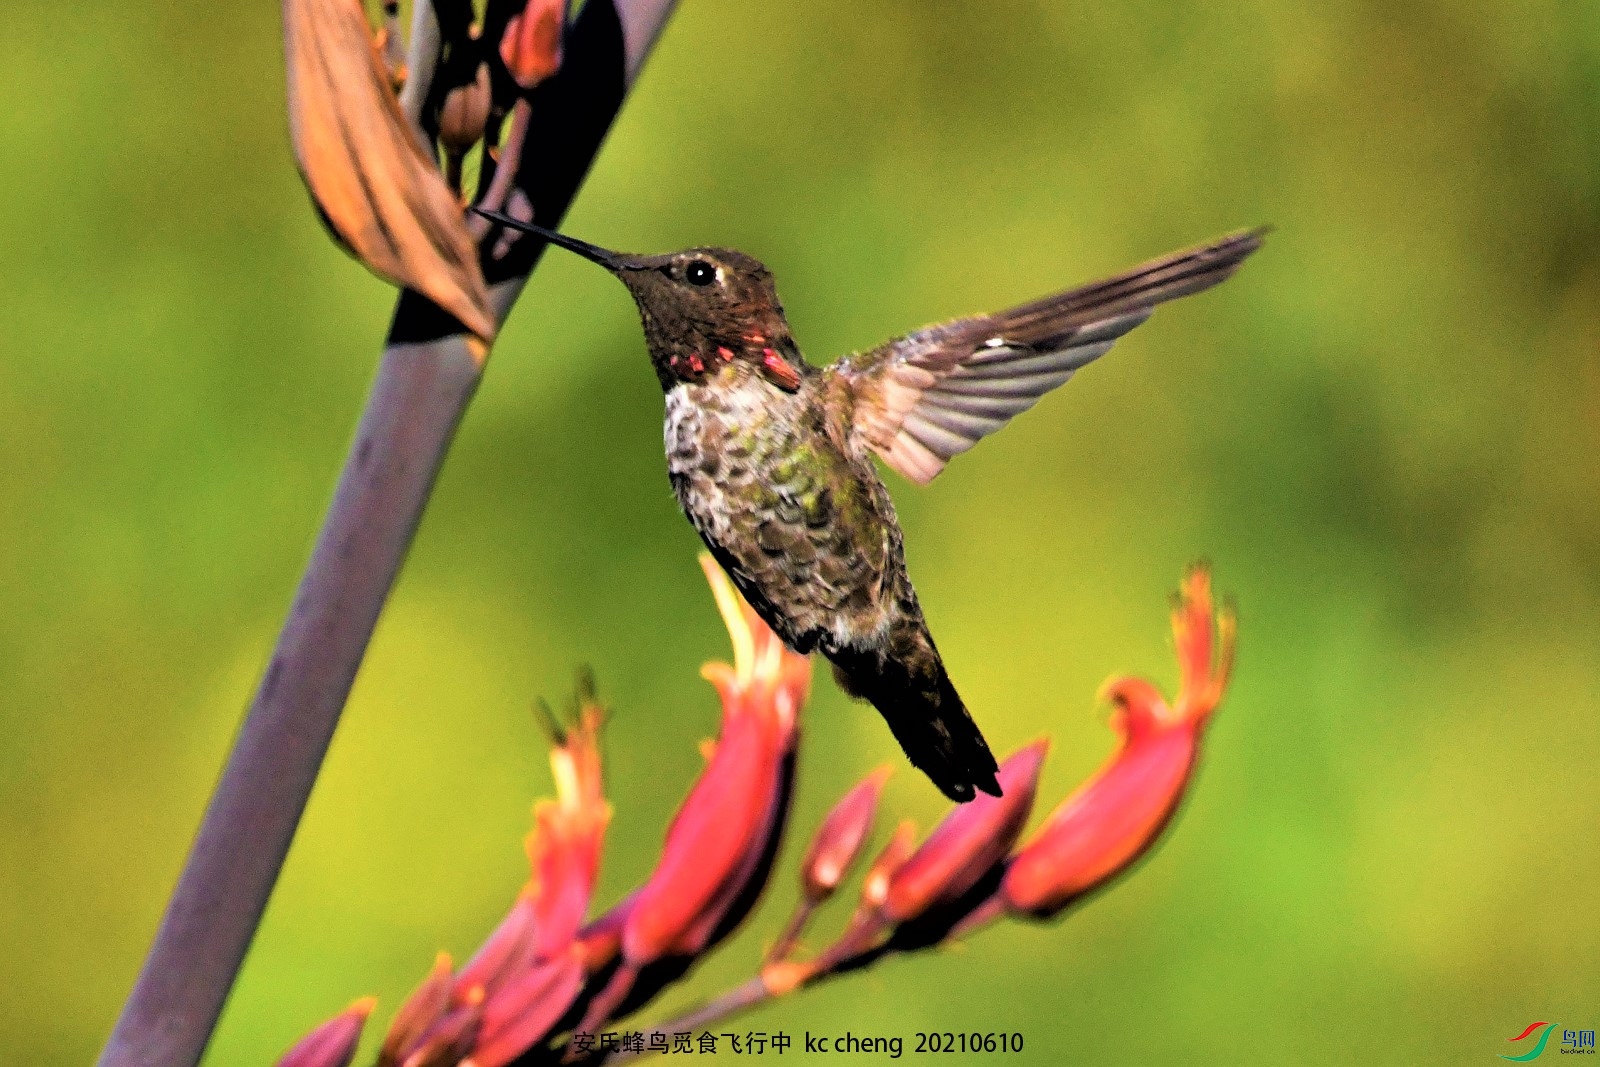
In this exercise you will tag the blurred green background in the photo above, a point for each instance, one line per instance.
(1384, 433)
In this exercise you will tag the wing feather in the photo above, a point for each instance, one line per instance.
(923, 399)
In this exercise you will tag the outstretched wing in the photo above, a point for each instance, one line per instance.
(925, 398)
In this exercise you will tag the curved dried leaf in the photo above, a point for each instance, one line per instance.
(374, 183)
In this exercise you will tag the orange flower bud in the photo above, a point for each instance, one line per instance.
(465, 113)
(333, 1044)
(968, 844)
(531, 47)
(1117, 814)
(840, 837)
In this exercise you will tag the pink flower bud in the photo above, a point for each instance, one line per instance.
(840, 837)
(333, 1044)
(875, 886)
(531, 47)
(1118, 813)
(969, 843)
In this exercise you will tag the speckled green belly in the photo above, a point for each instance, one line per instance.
(808, 535)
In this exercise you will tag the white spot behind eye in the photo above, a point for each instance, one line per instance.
(995, 342)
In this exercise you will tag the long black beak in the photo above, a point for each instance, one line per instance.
(594, 253)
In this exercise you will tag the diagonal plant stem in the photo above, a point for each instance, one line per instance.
(429, 372)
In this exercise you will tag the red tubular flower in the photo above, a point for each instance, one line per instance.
(542, 966)
(1118, 813)
(968, 844)
(333, 1044)
(531, 47)
(840, 837)
(563, 857)
(720, 835)
(530, 970)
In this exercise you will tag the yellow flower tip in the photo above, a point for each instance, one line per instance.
(708, 748)
(724, 677)
(732, 609)
(474, 995)
(769, 661)
(443, 964)
(564, 769)
(363, 1007)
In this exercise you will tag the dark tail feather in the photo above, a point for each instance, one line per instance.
(927, 718)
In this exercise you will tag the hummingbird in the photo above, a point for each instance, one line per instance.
(770, 456)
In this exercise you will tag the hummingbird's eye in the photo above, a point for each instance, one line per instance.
(699, 272)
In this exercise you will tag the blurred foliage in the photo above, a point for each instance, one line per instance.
(1384, 432)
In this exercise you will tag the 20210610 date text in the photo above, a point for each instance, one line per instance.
(969, 1041)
